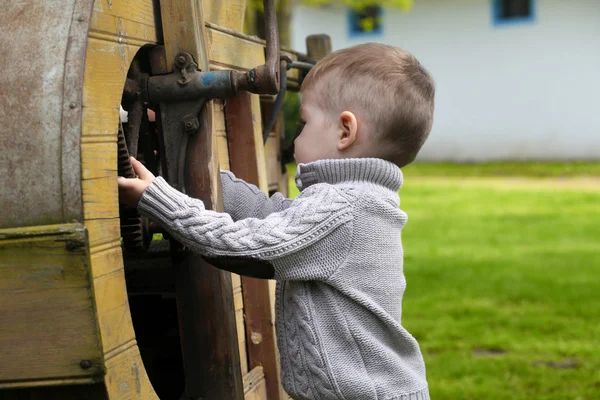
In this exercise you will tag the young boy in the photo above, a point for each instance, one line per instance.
(336, 249)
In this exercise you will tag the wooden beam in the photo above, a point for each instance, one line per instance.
(205, 296)
(244, 144)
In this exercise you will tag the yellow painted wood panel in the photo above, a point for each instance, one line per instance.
(258, 392)
(259, 147)
(102, 232)
(108, 260)
(98, 122)
(46, 308)
(185, 30)
(236, 281)
(254, 385)
(226, 13)
(113, 310)
(106, 67)
(126, 30)
(219, 118)
(100, 198)
(230, 51)
(241, 330)
(100, 160)
(126, 377)
(140, 11)
(238, 299)
(272, 161)
(223, 153)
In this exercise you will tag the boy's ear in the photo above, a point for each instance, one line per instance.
(348, 130)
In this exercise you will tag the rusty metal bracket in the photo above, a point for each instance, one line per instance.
(188, 83)
(286, 64)
(181, 94)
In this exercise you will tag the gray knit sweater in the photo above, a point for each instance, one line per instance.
(337, 255)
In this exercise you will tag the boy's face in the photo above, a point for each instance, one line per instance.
(318, 139)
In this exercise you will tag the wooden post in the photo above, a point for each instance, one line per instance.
(204, 294)
(318, 46)
(245, 149)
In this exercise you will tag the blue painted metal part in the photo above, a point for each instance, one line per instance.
(498, 20)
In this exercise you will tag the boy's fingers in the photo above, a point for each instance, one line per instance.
(124, 183)
(140, 170)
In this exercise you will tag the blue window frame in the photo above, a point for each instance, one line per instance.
(513, 12)
(365, 22)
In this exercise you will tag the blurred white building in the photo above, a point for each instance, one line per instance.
(516, 79)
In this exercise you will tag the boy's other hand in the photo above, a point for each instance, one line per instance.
(131, 190)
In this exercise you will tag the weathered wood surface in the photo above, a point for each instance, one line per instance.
(118, 29)
(47, 322)
(254, 385)
(246, 155)
(204, 294)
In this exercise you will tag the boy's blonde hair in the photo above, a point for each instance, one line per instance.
(386, 87)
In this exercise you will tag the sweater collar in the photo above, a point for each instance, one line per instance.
(350, 170)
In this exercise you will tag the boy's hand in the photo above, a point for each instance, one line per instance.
(131, 190)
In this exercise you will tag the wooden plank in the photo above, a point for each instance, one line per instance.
(117, 31)
(273, 163)
(233, 50)
(101, 123)
(204, 294)
(230, 51)
(238, 300)
(138, 11)
(112, 308)
(257, 392)
(109, 259)
(106, 62)
(100, 198)
(241, 330)
(246, 159)
(126, 377)
(129, 30)
(102, 232)
(259, 149)
(46, 304)
(57, 390)
(226, 13)
(100, 162)
(223, 152)
(255, 387)
(236, 281)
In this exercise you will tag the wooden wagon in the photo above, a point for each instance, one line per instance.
(94, 303)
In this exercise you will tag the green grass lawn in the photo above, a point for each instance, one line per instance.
(503, 283)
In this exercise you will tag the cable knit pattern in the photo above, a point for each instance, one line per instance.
(337, 254)
(243, 200)
(315, 213)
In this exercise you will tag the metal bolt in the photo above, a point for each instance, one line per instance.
(80, 19)
(72, 104)
(190, 124)
(181, 59)
(85, 364)
(256, 337)
(73, 245)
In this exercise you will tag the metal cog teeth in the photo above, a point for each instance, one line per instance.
(131, 228)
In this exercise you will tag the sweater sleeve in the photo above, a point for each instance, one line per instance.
(243, 200)
(312, 217)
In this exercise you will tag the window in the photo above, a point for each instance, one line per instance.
(506, 12)
(366, 21)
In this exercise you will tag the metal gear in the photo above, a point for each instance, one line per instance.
(132, 230)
